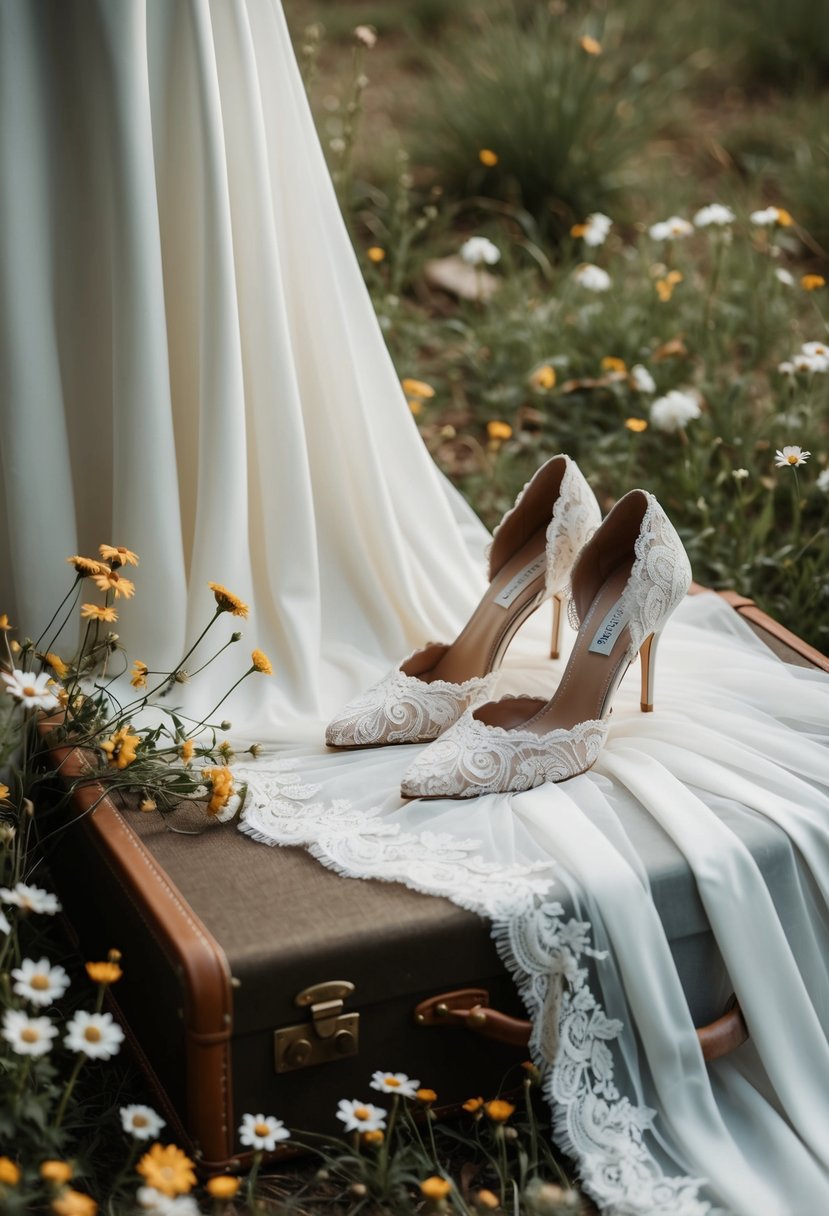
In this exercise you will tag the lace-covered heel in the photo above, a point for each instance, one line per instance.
(647, 660)
(627, 581)
(530, 560)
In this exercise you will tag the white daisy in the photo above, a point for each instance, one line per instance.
(673, 229)
(674, 411)
(739, 474)
(5, 927)
(815, 350)
(596, 229)
(33, 692)
(784, 276)
(361, 1116)
(593, 278)
(94, 1034)
(822, 482)
(804, 362)
(765, 218)
(480, 251)
(394, 1083)
(30, 899)
(262, 1132)
(714, 214)
(641, 379)
(790, 455)
(40, 982)
(159, 1204)
(142, 1122)
(786, 368)
(28, 1036)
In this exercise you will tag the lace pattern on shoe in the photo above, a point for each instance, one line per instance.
(659, 578)
(473, 758)
(404, 709)
(573, 1040)
(576, 516)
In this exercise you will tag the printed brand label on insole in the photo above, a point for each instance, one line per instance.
(610, 628)
(517, 584)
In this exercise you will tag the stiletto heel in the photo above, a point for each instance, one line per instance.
(555, 639)
(530, 559)
(647, 659)
(625, 584)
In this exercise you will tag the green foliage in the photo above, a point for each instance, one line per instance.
(563, 123)
(781, 42)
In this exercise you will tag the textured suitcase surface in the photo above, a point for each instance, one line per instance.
(220, 935)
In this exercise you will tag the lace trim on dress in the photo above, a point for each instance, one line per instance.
(572, 1038)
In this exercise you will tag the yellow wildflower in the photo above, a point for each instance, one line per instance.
(543, 378)
(374, 1138)
(485, 1201)
(637, 425)
(4, 792)
(665, 287)
(261, 662)
(118, 555)
(375, 254)
(4, 622)
(578, 230)
(114, 582)
(417, 388)
(784, 217)
(87, 566)
(472, 1105)
(148, 805)
(222, 1186)
(435, 1188)
(120, 748)
(221, 781)
(139, 674)
(186, 750)
(611, 364)
(74, 1203)
(498, 430)
(812, 282)
(590, 45)
(59, 1172)
(96, 612)
(426, 1096)
(227, 601)
(9, 1172)
(498, 1110)
(104, 973)
(167, 1169)
(487, 157)
(57, 664)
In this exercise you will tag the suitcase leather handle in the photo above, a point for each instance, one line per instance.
(469, 1008)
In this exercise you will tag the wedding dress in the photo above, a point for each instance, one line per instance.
(191, 366)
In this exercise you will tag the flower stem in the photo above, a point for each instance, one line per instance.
(76, 587)
(232, 688)
(67, 1093)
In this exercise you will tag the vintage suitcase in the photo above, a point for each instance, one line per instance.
(256, 980)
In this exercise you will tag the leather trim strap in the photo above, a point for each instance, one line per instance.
(194, 954)
(747, 608)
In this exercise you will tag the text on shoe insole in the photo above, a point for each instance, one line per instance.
(518, 582)
(605, 637)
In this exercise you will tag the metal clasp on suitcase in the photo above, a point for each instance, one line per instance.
(469, 1008)
(330, 1034)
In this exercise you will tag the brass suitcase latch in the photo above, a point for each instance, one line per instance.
(330, 1034)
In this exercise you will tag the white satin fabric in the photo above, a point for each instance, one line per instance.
(190, 365)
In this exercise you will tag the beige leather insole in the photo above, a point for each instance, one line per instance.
(483, 639)
(587, 679)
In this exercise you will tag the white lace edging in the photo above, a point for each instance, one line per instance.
(572, 1037)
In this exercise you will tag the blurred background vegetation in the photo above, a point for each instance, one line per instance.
(515, 120)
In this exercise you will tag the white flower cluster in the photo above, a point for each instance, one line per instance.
(714, 215)
(674, 411)
(480, 251)
(596, 229)
(813, 357)
(592, 278)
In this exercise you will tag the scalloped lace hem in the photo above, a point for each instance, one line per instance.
(572, 1037)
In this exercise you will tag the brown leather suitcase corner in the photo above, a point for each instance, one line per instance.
(256, 980)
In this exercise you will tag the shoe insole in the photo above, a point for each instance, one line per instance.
(596, 664)
(511, 596)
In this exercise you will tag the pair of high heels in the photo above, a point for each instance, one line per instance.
(623, 575)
